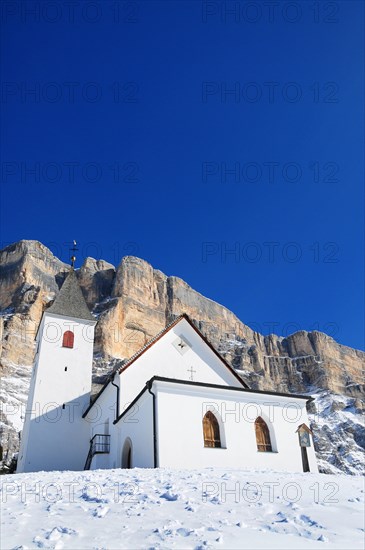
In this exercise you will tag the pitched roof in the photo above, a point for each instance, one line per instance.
(153, 341)
(304, 427)
(70, 301)
(167, 329)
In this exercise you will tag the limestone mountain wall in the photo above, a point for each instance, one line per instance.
(134, 301)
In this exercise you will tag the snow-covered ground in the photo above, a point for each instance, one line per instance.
(163, 509)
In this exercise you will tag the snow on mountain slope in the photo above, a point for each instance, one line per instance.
(159, 509)
(339, 433)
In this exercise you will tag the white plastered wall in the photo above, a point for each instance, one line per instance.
(163, 359)
(180, 434)
(137, 425)
(55, 436)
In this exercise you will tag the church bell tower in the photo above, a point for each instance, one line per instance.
(55, 436)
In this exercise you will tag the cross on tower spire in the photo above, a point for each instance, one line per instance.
(73, 250)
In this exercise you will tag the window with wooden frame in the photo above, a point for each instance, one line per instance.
(68, 339)
(211, 431)
(262, 435)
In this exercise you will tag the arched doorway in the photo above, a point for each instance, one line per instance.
(127, 454)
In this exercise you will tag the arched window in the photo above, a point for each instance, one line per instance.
(68, 339)
(262, 435)
(211, 431)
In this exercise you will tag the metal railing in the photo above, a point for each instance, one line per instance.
(99, 443)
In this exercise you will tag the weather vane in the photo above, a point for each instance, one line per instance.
(73, 257)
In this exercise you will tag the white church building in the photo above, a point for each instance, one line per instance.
(176, 403)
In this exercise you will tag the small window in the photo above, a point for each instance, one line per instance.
(262, 435)
(68, 339)
(211, 431)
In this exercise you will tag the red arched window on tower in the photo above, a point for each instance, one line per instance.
(68, 339)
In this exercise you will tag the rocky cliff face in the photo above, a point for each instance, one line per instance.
(132, 303)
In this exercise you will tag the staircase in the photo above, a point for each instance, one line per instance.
(99, 444)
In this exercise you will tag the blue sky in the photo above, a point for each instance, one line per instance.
(223, 147)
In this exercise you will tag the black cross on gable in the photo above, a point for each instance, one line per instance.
(191, 370)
